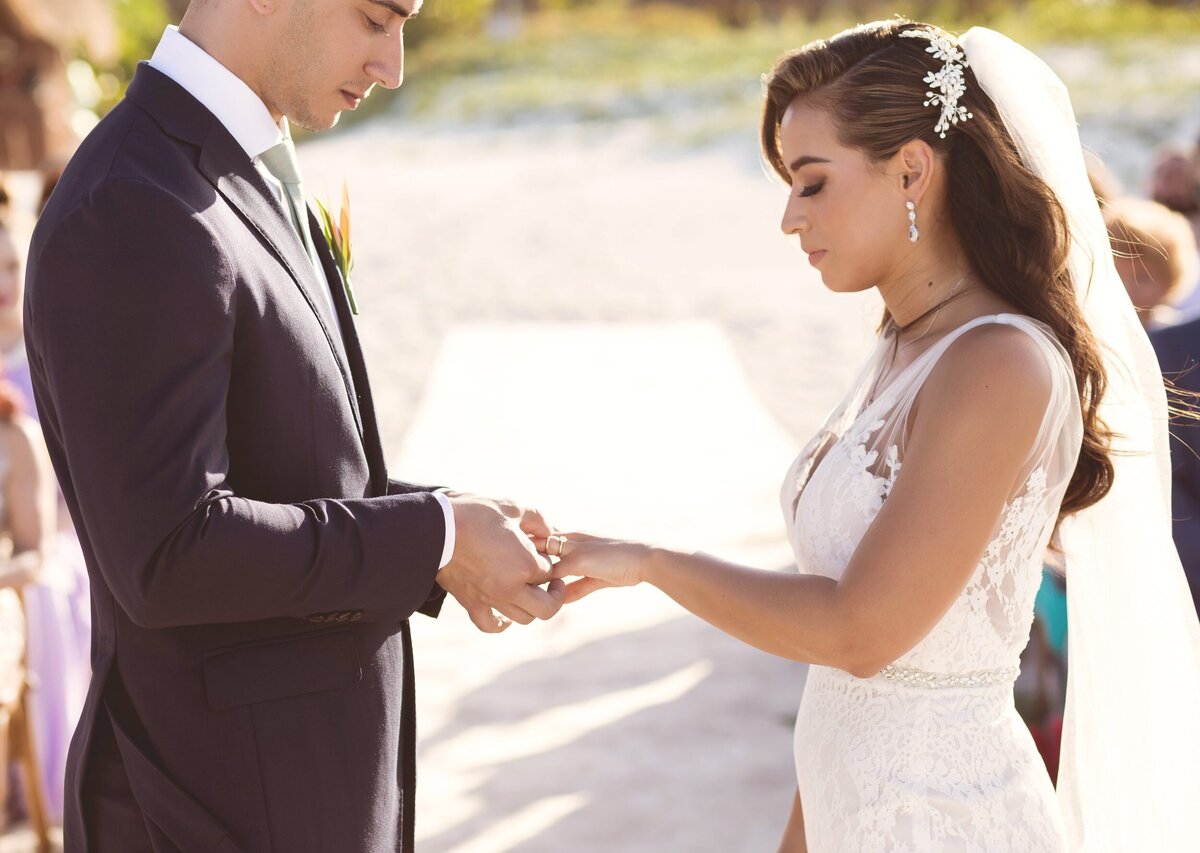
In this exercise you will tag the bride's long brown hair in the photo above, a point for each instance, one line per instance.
(871, 83)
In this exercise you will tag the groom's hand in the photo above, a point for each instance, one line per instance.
(495, 566)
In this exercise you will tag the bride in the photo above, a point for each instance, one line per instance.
(1012, 404)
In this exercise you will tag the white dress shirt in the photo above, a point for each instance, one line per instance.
(248, 120)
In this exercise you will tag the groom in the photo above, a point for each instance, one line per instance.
(208, 412)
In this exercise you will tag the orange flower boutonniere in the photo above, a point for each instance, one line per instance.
(337, 234)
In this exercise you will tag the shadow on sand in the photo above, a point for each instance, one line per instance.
(672, 737)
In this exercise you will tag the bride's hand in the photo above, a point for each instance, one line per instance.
(596, 562)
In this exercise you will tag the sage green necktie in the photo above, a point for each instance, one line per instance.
(280, 160)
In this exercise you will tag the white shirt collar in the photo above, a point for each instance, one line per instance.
(226, 96)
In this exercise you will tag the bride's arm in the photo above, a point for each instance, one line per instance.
(793, 834)
(978, 417)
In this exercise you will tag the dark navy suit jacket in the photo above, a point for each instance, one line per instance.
(1178, 350)
(252, 565)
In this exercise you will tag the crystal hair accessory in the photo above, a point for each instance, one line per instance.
(949, 81)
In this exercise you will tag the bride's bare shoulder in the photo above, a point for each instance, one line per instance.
(996, 374)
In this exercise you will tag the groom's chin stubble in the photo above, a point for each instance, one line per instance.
(315, 124)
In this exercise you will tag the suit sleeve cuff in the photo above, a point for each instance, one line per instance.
(448, 512)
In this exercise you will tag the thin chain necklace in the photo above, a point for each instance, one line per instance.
(898, 330)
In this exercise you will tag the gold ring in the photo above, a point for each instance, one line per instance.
(561, 540)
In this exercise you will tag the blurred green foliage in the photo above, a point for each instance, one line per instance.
(613, 58)
(140, 24)
(1091, 20)
(442, 16)
(594, 53)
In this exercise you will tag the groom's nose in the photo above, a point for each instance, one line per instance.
(387, 66)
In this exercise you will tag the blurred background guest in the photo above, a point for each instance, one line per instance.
(1175, 183)
(1178, 350)
(20, 568)
(1155, 254)
(39, 536)
(27, 488)
(35, 96)
(27, 513)
(12, 336)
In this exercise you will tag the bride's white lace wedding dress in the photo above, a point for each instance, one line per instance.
(928, 756)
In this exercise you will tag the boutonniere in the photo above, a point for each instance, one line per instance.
(337, 235)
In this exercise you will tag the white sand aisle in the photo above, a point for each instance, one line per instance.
(601, 223)
(621, 725)
(619, 334)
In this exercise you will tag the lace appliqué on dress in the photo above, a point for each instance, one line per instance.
(988, 625)
(851, 482)
(873, 488)
(941, 763)
(934, 759)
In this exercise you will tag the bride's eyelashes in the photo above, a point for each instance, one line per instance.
(811, 190)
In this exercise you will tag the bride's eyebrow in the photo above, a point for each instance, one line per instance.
(806, 160)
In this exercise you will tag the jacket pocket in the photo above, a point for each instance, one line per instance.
(292, 666)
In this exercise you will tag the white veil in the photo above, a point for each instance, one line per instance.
(1129, 777)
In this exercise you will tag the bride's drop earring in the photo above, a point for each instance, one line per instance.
(913, 234)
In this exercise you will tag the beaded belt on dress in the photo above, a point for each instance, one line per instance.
(938, 680)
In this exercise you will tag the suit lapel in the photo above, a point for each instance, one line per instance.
(331, 283)
(354, 355)
(225, 165)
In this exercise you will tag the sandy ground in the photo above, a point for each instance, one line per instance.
(622, 724)
(595, 224)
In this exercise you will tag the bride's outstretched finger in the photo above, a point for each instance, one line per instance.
(575, 561)
(614, 561)
(581, 556)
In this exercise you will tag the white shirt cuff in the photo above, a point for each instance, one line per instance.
(448, 511)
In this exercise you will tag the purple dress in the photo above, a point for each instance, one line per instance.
(58, 622)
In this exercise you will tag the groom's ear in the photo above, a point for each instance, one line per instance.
(913, 169)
